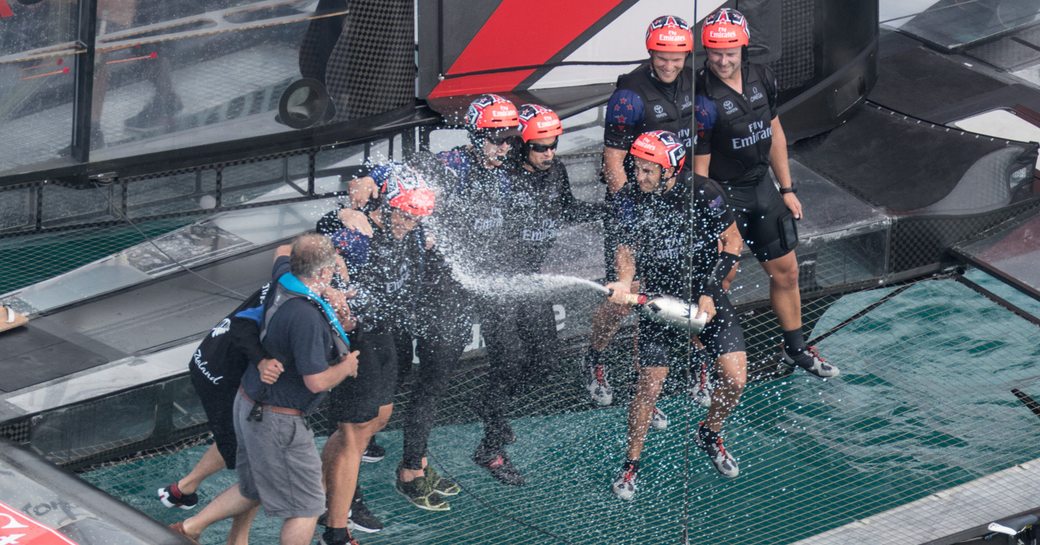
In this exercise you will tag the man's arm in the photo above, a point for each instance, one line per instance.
(329, 378)
(781, 167)
(701, 163)
(614, 168)
(361, 191)
(625, 264)
(624, 116)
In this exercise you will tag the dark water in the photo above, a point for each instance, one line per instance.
(923, 404)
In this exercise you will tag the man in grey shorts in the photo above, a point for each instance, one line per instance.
(278, 464)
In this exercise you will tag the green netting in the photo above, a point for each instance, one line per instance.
(925, 375)
(32, 258)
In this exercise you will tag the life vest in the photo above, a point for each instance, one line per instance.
(742, 133)
(661, 112)
(289, 287)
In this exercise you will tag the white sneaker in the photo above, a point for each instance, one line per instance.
(624, 486)
(599, 388)
(659, 420)
(702, 388)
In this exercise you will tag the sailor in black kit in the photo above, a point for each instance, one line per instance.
(674, 249)
(655, 96)
(739, 137)
(384, 252)
(520, 331)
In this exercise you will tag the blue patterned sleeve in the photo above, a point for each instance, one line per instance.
(624, 118)
(707, 115)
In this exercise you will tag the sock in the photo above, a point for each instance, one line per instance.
(794, 342)
(707, 436)
(630, 465)
(332, 535)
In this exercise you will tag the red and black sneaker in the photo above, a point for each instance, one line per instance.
(171, 496)
(497, 462)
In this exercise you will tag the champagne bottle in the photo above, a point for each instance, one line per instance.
(669, 310)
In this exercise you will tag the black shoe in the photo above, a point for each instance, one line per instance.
(157, 114)
(373, 452)
(361, 519)
(508, 435)
(497, 462)
(337, 537)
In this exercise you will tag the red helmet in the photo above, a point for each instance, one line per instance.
(491, 112)
(537, 121)
(669, 33)
(407, 190)
(724, 29)
(661, 147)
(416, 202)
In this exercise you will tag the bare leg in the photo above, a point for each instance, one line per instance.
(732, 378)
(210, 463)
(783, 290)
(298, 530)
(640, 410)
(409, 475)
(240, 524)
(342, 462)
(229, 503)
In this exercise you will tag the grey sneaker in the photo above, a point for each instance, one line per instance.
(711, 443)
(812, 362)
(624, 486)
(596, 382)
(659, 420)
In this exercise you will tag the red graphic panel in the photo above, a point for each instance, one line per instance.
(519, 33)
(5, 9)
(18, 529)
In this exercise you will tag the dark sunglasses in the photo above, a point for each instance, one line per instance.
(542, 148)
(499, 139)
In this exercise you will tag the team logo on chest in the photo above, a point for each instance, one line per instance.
(756, 94)
(729, 106)
(659, 111)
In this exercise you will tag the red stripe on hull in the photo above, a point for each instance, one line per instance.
(505, 40)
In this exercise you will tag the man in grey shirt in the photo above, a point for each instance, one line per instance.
(303, 332)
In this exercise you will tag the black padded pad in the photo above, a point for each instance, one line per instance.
(923, 83)
(32, 355)
(892, 161)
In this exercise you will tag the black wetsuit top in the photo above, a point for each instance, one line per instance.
(386, 273)
(643, 103)
(541, 203)
(470, 222)
(734, 128)
(662, 232)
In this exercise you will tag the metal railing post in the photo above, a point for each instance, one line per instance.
(82, 103)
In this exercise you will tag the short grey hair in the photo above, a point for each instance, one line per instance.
(310, 254)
